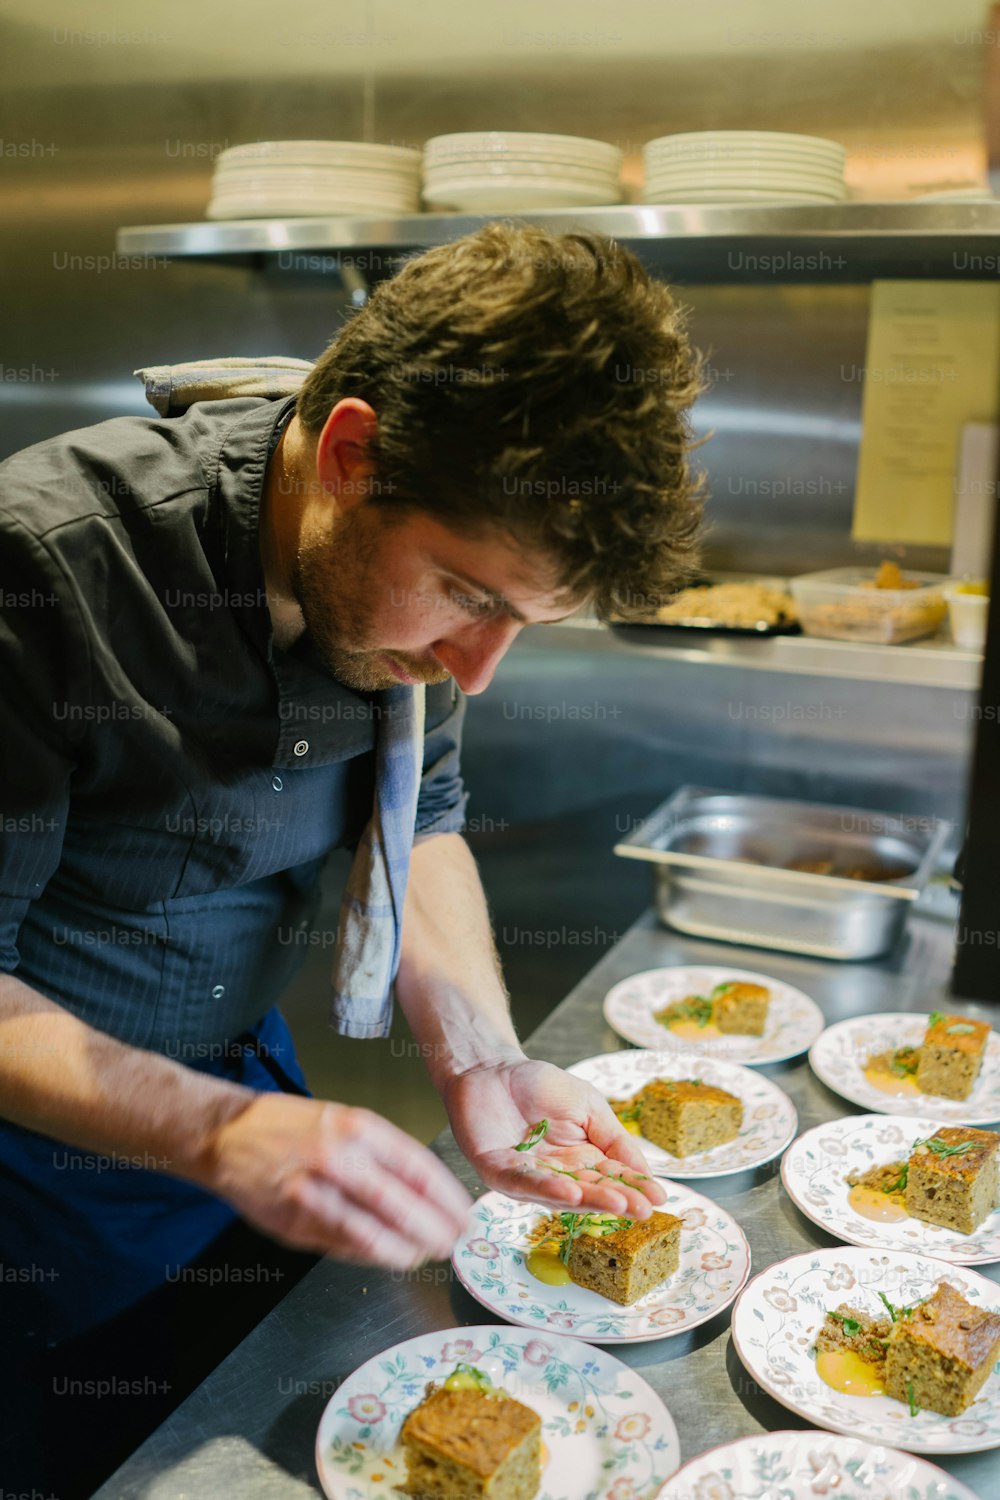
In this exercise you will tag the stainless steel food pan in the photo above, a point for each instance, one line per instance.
(722, 870)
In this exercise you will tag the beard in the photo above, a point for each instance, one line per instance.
(336, 586)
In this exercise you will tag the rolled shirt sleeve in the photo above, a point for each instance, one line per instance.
(43, 685)
(442, 799)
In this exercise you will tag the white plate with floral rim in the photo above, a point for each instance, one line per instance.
(769, 1118)
(604, 1430)
(777, 1318)
(807, 1466)
(813, 1172)
(838, 1057)
(793, 1020)
(490, 1262)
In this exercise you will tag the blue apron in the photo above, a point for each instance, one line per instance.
(86, 1237)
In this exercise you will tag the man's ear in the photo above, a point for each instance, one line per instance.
(342, 463)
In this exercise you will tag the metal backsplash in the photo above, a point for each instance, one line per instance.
(129, 132)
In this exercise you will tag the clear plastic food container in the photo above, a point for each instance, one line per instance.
(843, 603)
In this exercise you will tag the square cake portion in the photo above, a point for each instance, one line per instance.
(940, 1354)
(951, 1056)
(624, 1258)
(740, 1007)
(952, 1178)
(471, 1441)
(686, 1115)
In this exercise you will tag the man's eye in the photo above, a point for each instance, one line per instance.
(471, 603)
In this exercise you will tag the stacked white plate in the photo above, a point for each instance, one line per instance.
(970, 194)
(483, 171)
(743, 166)
(288, 179)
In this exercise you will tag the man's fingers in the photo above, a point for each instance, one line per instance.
(616, 1198)
(532, 1181)
(386, 1197)
(345, 1229)
(424, 1173)
(605, 1132)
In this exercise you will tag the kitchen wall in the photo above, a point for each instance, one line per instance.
(112, 116)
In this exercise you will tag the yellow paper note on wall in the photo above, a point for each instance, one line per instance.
(932, 364)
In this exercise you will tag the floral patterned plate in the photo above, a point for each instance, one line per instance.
(776, 1320)
(807, 1466)
(606, 1435)
(813, 1172)
(793, 1020)
(838, 1057)
(489, 1259)
(769, 1118)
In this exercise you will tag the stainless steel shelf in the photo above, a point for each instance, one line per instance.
(929, 664)
(791, 241)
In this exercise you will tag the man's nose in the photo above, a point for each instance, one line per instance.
(472, 655)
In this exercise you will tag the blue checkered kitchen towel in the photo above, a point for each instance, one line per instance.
(369, 931)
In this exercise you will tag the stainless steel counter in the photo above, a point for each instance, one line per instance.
(249, 1430)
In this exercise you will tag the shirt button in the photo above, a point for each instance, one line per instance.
(277, 783)
(301, 746)
(218, 991)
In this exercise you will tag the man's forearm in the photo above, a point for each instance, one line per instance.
(449, 982)
(62, 1078)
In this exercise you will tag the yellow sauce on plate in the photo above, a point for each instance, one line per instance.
(872, 1203)
(691, 1029)
(890, 1083)
(544, 1264)
(844, 1371)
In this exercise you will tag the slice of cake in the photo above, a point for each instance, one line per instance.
(621, 1259)
(940, 1354)
(686, 1115)
(469, 1439)
(951, 1055)
(952, 1178)
(740, 1007)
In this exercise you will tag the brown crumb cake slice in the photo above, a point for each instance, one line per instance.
(470, 1440)
(685, 1115)
(622, 1259)
(951, 1055)
(953, 1176)
(941, 1353)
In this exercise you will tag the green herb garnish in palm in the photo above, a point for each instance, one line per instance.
(537, 1131)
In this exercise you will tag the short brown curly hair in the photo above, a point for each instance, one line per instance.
(538, 383)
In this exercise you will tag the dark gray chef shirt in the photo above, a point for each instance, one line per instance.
(170, 781)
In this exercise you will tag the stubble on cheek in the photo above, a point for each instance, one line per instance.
(341, 587)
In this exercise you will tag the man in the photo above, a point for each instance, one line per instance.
(217, 623)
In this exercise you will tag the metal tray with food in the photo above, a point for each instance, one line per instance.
(800, 877)
(744, 607)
